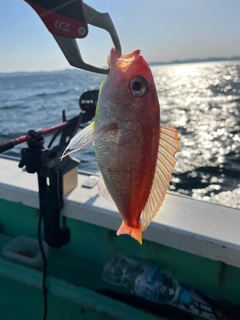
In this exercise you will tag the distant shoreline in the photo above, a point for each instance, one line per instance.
(153, 63)
(195, 60)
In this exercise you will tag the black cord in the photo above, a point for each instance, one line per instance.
(44, 287)
(54, 137)
(60, 130)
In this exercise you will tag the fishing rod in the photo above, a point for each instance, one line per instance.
(9, 144)
(87, 104)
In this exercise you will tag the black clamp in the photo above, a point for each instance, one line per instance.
(50, 170)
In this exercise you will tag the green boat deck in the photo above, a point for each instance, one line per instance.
(75, 287)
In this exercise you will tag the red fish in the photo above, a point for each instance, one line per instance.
(136, 155)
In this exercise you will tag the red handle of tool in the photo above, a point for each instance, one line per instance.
(61, 17)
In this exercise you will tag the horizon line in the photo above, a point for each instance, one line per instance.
(151, 63)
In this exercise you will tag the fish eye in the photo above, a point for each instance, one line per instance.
(138, 86)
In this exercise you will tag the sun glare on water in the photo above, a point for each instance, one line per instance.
(202, 100)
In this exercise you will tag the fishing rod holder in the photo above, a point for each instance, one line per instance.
(55, 179)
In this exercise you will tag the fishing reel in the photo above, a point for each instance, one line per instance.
(88, 103)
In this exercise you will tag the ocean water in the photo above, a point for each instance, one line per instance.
(201, 100)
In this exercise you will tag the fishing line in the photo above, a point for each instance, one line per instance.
(44, 287)
(54, 137)
(61, 129)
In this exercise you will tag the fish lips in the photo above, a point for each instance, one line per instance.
(124, 61)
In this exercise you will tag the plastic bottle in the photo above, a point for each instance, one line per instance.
(145, 280)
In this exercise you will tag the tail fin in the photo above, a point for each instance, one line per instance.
(135, 233)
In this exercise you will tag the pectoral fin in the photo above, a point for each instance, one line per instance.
(168, 146)
(86, 136)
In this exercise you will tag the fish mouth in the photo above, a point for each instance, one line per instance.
(124, 60)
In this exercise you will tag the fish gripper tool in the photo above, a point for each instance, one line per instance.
(68, 20)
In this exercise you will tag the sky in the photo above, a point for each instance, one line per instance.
(163, 30)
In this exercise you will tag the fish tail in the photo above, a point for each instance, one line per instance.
(135, 233)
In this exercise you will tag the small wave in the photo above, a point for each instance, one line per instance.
(6, 107)
(44, 94)
(10, 106)
(235, 100)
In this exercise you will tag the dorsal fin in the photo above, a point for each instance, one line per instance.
(168, 146)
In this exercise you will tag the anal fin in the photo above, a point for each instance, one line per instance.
(104, 192)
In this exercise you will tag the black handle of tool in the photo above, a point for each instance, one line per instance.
(6, 145)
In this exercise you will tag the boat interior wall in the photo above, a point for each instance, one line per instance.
(81, 261)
